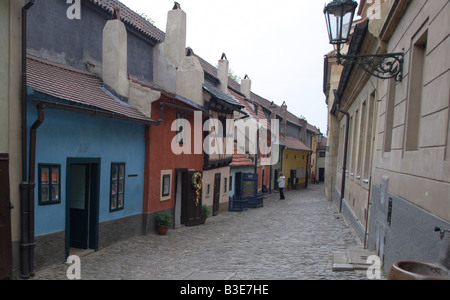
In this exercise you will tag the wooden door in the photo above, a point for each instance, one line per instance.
(192, 209)
(216, 203)
(5, 220)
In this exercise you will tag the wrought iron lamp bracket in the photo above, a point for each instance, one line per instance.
(383, 66)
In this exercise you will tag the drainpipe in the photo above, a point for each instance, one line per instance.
(26, 243)
(344, 167)
(24, 88)
(32, 184)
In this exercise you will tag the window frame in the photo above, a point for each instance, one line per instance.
(50, 184)
(166, 180)
(117, 207)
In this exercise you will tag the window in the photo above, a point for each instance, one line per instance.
(354, 139)
(49, 184)
(369, 137)
(166, 186)
(223, 121)
(362, 128)
(389, 116)
(415, 93)
(117, 186)
(225, 185)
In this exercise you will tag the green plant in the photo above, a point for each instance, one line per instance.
(164, 219)
(205, 211)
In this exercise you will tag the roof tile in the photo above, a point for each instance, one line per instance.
(76, 86)
(293, 143)
(132, 18)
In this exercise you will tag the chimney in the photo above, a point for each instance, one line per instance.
(304, 125)
(115, 73)
(190, 78)
(168, 55)
(222, 73)
(175, 42)
(283, 125)
(246, 87)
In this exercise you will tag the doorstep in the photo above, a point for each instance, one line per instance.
(351, 260)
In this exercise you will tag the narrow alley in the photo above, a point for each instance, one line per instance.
(292, 239)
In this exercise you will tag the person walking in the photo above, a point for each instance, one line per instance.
(281, 185)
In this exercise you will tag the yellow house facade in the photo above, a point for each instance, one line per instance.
(295, 158)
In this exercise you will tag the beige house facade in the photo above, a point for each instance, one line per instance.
(10, 133)
(397, 187)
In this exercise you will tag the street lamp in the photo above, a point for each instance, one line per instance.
(339, 15)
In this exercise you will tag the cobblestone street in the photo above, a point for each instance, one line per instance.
(292, 239)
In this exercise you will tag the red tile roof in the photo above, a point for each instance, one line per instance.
(250, 106)
(75, 86)
(293, 143)
(132, 18)
(240, 160)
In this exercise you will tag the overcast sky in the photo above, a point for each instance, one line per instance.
(279, 44)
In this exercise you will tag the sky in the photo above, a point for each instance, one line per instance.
(279, 44)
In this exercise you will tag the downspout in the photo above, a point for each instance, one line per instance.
(32, 184)
(24, 88)
(26, 244)
(344, 167)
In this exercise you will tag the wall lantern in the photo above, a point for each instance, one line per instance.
(339, 16)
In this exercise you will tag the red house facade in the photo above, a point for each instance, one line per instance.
(168, 173)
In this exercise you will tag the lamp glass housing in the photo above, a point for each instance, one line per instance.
(339, 16)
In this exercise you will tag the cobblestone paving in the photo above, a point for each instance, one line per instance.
(284, 240)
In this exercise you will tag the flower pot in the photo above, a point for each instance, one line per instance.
(162, 230)
(204, 220)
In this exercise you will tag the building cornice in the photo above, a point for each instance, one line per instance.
(395, 14)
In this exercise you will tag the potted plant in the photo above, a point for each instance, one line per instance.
(205, 213)
(163, 221)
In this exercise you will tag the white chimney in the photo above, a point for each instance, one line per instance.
(168, 55)
(246, 87)
(114, 69)
(175, 43)
(190, 78)
(222, 73)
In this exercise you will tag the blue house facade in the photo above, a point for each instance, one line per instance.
(85, 142)
(89, 162)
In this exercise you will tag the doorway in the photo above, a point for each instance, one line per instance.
(179, 212)
(82, 204)
(216, 203)
(321, 174)
(5, 219)
(187, 211)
